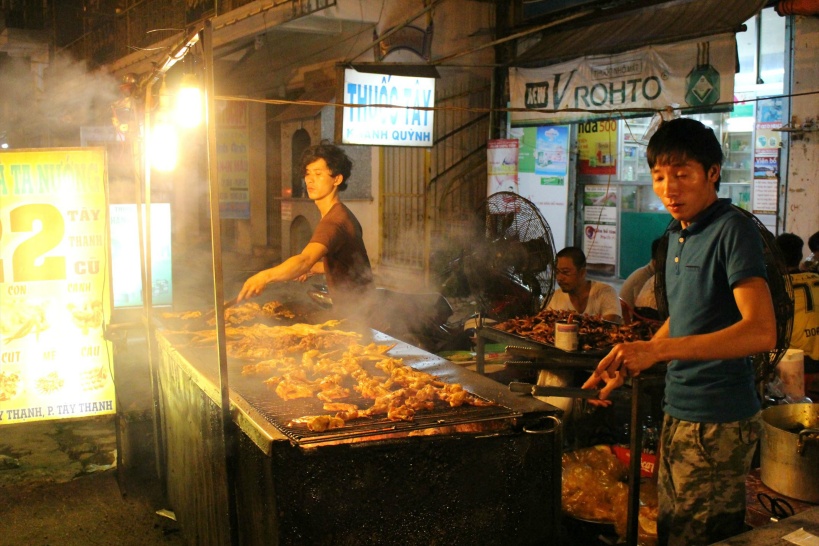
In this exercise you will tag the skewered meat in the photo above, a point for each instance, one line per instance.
(593, 332)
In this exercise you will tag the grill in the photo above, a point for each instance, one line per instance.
(470, 474)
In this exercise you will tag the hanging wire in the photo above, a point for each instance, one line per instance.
(617, 113)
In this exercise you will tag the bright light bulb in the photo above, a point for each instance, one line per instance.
(164, 147)
(189, 103)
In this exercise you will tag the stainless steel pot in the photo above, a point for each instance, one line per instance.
(789, 461)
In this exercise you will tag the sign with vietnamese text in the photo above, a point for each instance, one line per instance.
(54, 285)
(600, 212)
(233, 159)
(386, 110)
(693, 74)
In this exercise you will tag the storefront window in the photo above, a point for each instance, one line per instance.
(750, 144)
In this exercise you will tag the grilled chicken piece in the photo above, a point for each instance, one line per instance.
(318, 423)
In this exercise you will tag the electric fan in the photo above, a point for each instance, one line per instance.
(779, 283)
(510, 266)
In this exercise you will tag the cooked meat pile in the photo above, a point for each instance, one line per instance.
(340, 377)
(352, 381)
(593, 332)
(239, 314)
(262, 342)
(250, 311)
(595, 488)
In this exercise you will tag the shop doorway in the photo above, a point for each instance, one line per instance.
(299, 143)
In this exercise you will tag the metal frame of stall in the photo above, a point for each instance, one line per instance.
(640, 386)
(143, 194)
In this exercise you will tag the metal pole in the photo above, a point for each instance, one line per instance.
(144, 238)
(229, 430)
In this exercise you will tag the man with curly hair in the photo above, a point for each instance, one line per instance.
(336, 248)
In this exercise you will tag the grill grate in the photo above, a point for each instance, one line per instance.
(278, 412)
(278, 416)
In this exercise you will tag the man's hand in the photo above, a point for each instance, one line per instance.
(634, 357)
(254, 286)
(612, 381)
(624, 358)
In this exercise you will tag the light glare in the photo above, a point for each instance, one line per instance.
(164, 147)
(189, 107)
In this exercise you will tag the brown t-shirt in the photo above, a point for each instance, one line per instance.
(346, 265)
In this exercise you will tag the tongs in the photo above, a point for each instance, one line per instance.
(566, 392)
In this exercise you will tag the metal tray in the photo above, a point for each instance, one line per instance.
(543, 352)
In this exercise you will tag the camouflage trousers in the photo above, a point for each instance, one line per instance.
(701, 479)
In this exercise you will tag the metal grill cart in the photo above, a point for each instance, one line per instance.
(646, 388)
(467, 474)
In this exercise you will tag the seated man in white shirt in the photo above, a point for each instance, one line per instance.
(584, 296)
(576, 293)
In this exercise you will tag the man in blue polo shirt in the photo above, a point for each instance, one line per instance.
(720, 312)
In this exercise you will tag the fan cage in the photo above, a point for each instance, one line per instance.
(513, 240)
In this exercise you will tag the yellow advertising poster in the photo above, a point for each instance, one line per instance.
(597, 147)
(54, 285)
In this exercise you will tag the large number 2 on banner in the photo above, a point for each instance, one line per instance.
(24, 266)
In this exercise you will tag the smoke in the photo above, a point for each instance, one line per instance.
(75, 97)
(46, 105)
(16, 97)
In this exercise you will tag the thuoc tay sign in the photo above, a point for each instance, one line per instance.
(54, 285)
(691, 74)
(386, 110)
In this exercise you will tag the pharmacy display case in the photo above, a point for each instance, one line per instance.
(738, 167)
(641, 216)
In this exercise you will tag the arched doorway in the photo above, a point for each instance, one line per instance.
(299, 143)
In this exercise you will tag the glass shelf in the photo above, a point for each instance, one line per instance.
(640, 198)
(738, 163)
(739, 192)
(632, 166)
